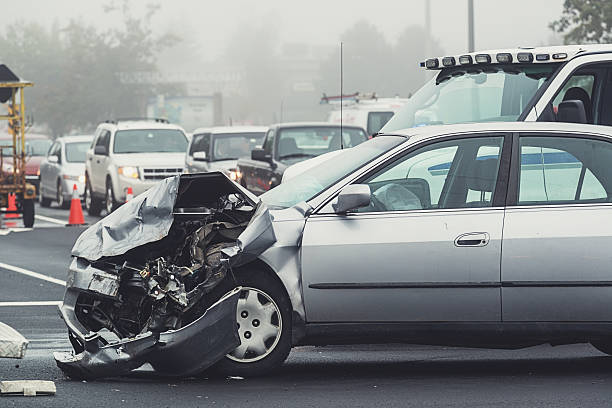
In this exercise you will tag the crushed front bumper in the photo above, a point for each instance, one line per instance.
(182, 352)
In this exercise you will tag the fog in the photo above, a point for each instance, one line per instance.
(272, 60)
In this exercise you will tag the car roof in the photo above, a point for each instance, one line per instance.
(231, 129)
(75, 138)
(424, 132)
(557, 53)
(140, 125)
(313, 124)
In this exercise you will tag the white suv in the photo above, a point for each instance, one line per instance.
(130, 153)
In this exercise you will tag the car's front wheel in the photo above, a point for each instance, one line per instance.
(92, 204)
(264, 326)
(111, 204)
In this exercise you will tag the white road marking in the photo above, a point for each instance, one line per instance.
(49, 219)
(32, 303)
(32, 274)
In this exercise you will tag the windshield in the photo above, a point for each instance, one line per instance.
(232, 146)
(304, 142)
(376, 120)
(457, 95)
(150, 141)
(313, 181)
(76, 151)
(37, 147)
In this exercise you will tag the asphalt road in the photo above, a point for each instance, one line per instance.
(355, 376)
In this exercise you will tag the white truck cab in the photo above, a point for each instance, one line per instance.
(570, 83)
(365, 110)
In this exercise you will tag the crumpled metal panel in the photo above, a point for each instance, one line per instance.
(185, 351)
(146, 218)
(12, 343)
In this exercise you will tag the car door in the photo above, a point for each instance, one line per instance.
(48, 171)
(556, 258)
(98, 163)
(427, 248)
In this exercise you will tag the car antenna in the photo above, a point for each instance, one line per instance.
(341, 96)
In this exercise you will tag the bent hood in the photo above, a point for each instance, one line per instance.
(149, 216)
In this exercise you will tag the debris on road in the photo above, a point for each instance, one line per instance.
(12, 343)
(28, 388)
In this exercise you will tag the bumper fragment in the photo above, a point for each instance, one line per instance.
(185, 351)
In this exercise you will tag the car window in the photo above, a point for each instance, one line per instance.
(76, 152)
(311, 141)
(580, 87)
(54, 150)
(451, 174)
(232, 146)
(376, 120)
(200, 143)
(564, 170)
(150, 141)
(269, 142)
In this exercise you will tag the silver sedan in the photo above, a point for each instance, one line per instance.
(482, 235)
(62, 169)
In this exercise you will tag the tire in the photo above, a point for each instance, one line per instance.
(274, 305)
(27, 208)
(109, 198)
(44, 201)
(605, 348)
(61, 202)
(92, 204)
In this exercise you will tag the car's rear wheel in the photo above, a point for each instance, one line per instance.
(61, 202)
(92, 204)
(264, 326)
(44, 201)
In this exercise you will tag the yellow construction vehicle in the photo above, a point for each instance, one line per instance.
(16, 195)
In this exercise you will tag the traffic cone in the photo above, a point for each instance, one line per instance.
(76, 212)
(12, 206)
(129, 195)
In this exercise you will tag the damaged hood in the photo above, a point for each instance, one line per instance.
(149, 216)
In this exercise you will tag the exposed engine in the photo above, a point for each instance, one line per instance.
(164, 285)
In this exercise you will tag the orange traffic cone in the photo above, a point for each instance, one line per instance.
(76, 212)
(129, 194)
(12, 206)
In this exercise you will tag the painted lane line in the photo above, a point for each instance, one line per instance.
(49, 219)
(32, 303)
(32, 274)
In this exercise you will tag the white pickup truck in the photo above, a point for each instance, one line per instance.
(570, 83)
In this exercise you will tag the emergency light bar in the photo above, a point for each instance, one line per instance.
(517, 56)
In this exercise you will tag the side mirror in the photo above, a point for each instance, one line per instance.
(260, 155)
(53, 159)
(352, 197)
(199, 156)
(571, 111)
(100, 150)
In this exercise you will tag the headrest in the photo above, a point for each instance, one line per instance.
(482, 174)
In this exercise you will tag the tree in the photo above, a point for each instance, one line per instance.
(80, 71)
(585, 21)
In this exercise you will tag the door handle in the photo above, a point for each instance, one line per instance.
(472, 239)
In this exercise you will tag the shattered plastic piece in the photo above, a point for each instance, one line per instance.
(12, 343)
(28, 388)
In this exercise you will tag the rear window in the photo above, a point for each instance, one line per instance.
(76, 152)
(150, 141)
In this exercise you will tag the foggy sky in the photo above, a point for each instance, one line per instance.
(498, 24)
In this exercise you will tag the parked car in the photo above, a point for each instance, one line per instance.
(482, 235)
(219, 148)
(289, 143)
(130, 153)
(562, 83)
(37, 147)
(62, 169)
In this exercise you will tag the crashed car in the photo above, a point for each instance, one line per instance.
(398, 239)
